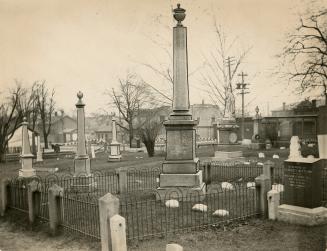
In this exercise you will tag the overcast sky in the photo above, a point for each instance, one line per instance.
(87, 45)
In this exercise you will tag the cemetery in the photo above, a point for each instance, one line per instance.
(122, 197)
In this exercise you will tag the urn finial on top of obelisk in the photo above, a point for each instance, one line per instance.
(80, 102)
(179, 15)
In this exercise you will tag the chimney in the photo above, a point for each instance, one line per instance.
(284, 106)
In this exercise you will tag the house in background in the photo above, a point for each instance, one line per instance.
(15, 143)
(63, 129)
(207, 116)
(298, 119)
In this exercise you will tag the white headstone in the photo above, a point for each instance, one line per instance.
(261, 155)
(227, 186)
(221, 213)
(92, 152)
(172, 203)
(200, 208)
(275, 156)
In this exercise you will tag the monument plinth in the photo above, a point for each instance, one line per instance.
(27, 169)
(114, 145)
(180, 170)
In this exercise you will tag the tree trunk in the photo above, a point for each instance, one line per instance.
(131, 136)
(33, 144)
(45, 136)
(2, 154)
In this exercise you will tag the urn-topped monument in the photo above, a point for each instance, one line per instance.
(181, 167)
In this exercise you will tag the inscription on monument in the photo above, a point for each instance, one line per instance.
(180, 145)
(298, 176)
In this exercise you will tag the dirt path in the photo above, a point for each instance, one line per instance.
(253, 235)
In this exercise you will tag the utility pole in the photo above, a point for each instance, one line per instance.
(229, 62)
(242, 88)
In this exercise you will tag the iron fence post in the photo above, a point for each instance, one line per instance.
(122, 179)
(108, 207)
(263, 186)
(33, 200)
(55, 193)
(4, 196)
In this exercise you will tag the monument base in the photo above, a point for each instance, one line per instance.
(227, 131)
(46, 169)
(82, 166)
(113, 158)
(302, 215)
(220, 155)
(257, 146)
(26, 173)
(85, 184)
(181, 193)
(180, 186)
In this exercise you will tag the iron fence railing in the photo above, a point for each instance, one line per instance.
(80, 214)
(147, 215)
(142, 179)
(17, 194)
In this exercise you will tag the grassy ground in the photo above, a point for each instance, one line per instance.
(255, 234)
(135, 160)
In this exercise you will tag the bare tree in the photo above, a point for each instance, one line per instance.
(149, 126)
(11, 116)
(45, 105)
(220, 69)
(131, 95)
(305, 53)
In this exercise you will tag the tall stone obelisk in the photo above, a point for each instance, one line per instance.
(181, 167)
(26, 156)
(82, 160)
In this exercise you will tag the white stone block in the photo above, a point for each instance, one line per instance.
(227, 186)
(118, 233)
(246, 163)
(200, 208)
(275, 156)
(221, 213)
(172, 203)
(278, 187)
(174, 247)
(282, 148)
(273, 203)
(261, 155)
(250, 185)
(260, 164)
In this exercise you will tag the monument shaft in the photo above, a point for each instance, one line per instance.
(181, 88)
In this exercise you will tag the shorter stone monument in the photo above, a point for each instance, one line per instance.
(114, 145)
(39, 157)
(303, 189)
(27, 169)
(257, 142)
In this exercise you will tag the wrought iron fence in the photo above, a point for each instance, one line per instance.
(80, 214)
(17, 194)
(147, 215)
(142, 179)
(222, 171)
